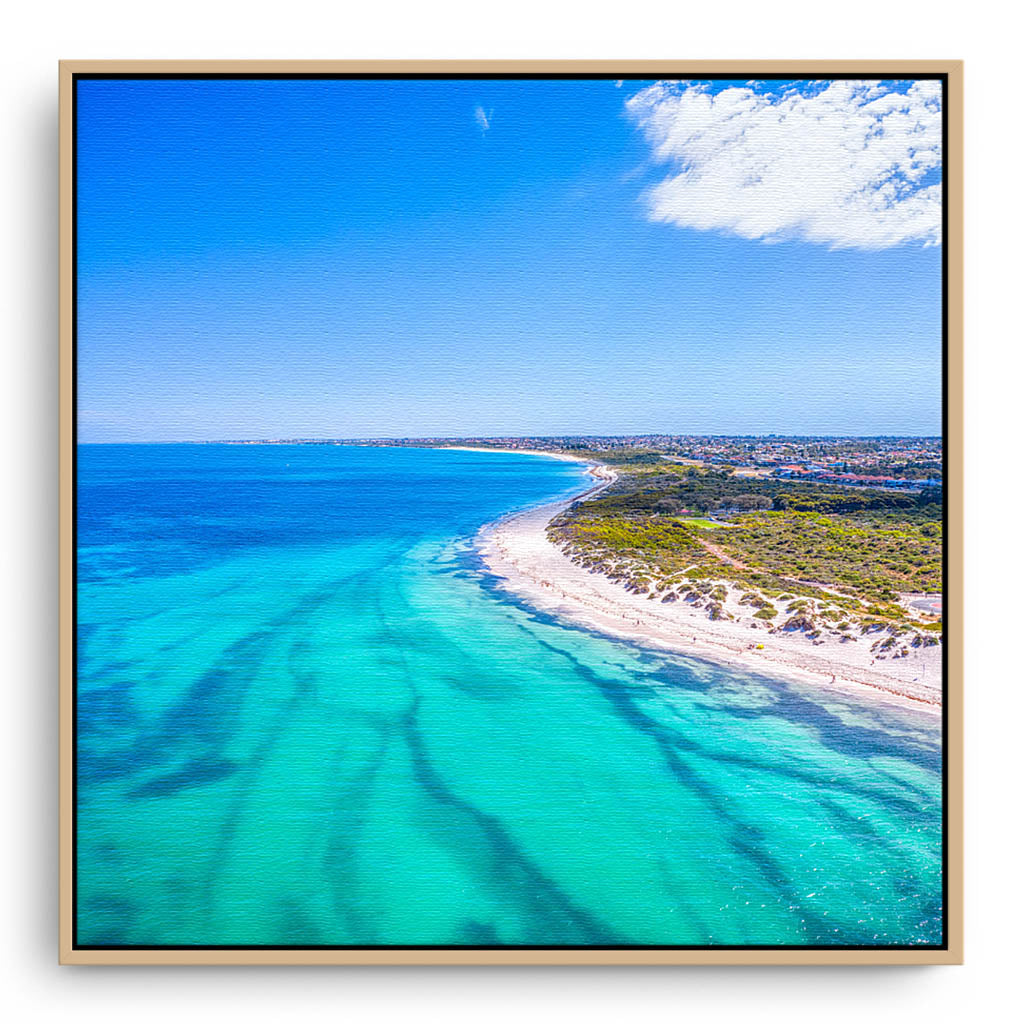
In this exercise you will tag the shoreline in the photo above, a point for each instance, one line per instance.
(561, 456)
(517, 551)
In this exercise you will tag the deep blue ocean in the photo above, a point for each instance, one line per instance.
(306, 716)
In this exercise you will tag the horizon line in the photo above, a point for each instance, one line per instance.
(516, 437)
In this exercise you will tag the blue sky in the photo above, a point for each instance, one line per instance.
(446, 258)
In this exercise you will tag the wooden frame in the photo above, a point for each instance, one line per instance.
(954, 448)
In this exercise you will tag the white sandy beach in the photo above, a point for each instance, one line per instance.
(562, 456)
(518, 551)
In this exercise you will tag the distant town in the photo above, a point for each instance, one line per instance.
(888, 463)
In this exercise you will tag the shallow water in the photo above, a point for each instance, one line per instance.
(305, 716)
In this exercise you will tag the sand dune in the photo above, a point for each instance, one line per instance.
(518, 551)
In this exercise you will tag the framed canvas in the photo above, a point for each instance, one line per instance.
(511, 513)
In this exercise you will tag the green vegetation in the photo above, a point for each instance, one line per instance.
(855, 501)
(868, 556)
(702, 524)
(832, 557)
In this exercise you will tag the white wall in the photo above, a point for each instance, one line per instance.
(36, 35)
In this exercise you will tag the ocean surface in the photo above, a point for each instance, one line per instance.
(306, 716)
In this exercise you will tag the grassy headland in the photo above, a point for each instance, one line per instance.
(808, 557)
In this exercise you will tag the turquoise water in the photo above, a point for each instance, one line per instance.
(306, 716)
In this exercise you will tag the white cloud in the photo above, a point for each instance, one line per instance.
(840, 164)
(483, 118)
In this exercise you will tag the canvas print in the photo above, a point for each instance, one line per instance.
(509, 512)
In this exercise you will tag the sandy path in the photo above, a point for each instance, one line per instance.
(715, 550)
